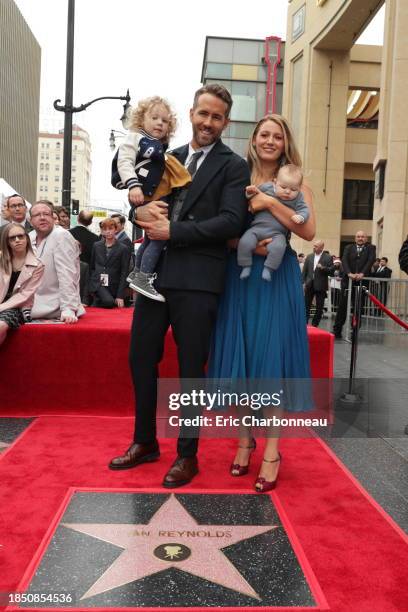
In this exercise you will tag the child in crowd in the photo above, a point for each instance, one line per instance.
(149, 173)
(286, 189)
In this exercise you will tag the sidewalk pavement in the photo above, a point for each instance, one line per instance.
(377, 455)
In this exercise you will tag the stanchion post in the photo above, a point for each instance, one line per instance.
(351, 396)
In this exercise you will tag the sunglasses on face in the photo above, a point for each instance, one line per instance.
(17, 237)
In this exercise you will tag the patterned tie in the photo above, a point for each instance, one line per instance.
(192, 166)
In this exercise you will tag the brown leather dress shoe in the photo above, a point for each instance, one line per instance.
(181, 472)
(135, 455)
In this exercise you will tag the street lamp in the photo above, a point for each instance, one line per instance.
(112, 139)
(68, 109)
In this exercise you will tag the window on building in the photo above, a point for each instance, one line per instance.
(73, 168)
(42, 145)
(47, 166)
(73, 179)
(245, 98)
(214, 71)
(56, 189)
(46, 177)
(46, 188)
(41, 187)
(42, 155)
(41, 166)
(358, 199)
(58, 145)
(74, 158)
(47, 146)
(57, 157)
(56, 179)
(247, 52)
(57, 168)
(219, 50)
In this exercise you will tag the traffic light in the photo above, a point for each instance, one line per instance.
(75, 207)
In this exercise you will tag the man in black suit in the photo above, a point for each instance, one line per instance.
(17, 209)
(84, 236)
(191, 273)
(383, 271)
(121, 235)
(316, 270)
(357, 261)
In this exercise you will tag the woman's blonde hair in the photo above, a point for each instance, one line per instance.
(291, 154)
(5, 249)
(137, 115)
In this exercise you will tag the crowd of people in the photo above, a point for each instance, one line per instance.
(49, 271)
(323, 272)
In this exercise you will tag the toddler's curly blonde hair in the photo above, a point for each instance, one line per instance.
(137, 114)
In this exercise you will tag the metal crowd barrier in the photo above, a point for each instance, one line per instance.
(393, 293)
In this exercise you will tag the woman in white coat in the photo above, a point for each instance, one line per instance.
(20, 276)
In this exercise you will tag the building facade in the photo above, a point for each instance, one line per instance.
(49, 173)
(246, 69)
(323, 72)
(20, 70)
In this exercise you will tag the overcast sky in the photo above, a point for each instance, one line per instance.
(152, 48)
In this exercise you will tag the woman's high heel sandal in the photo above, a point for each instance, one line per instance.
(261, 484)
(240, 470)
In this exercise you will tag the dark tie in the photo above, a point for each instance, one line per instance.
(192, 166)
(192, 169)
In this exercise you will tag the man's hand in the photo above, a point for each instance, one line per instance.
(359, 276)
(261, 247)
(158, 229)
(119, 302)
(136, 196)
(152, 212)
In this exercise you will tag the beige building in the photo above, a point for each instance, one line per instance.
(20, 67)
(49, 173)
(323, 70)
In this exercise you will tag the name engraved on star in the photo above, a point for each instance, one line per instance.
(194, 534)
(185, 534)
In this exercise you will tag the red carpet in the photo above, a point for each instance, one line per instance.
(83, 368)
(358, 555)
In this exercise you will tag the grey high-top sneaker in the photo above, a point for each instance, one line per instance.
(143, 283)
(132, 274)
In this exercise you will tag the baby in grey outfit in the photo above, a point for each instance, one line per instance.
(286, 189)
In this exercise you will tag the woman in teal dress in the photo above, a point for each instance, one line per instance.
(261, 326)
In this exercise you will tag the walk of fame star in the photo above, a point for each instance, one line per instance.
(172, 538)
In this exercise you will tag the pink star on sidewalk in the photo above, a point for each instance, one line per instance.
(172, 538)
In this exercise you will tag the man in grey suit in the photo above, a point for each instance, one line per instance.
(317, 268)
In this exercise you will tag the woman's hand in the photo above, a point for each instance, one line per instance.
(261, 201)
(261, 247)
